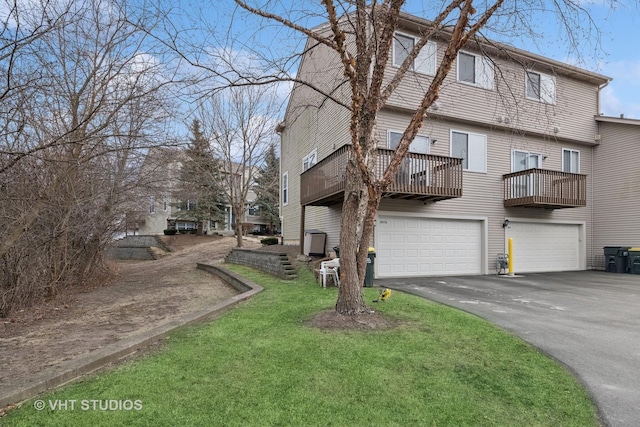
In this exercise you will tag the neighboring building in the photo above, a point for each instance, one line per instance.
(164, 209)
(616, 178)
(507, 151)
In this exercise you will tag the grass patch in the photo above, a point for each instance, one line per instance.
(261, 365)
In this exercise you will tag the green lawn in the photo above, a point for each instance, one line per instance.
(260, 365)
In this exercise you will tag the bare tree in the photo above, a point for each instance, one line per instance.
(361, 34)
(87, 97)
(239, 124)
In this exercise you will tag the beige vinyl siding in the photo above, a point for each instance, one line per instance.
(617, 187)
(483, 192)
(311, 122)
(570, 118)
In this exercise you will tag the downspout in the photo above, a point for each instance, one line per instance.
(278, 130)
(593, 176)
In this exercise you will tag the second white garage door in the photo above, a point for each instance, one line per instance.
(408, 246)
(540, 247)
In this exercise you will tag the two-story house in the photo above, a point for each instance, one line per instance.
(165, 208)
(506, 151)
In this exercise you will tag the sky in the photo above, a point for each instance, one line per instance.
(606, 46)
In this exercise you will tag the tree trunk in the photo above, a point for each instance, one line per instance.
(350, 295)
(238, 231)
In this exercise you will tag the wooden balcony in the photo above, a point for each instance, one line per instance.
(420, 177)
(541, 188)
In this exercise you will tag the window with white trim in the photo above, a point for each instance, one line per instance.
(476, 70)
(472, 148)
(540, 87)
(186, 225)
(310, 160)
(420, 143)
(525, 184)
(152, 204)
(285, 188)
(414, 169)
(425, 61)
(570, 160)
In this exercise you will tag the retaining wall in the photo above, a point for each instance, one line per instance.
(275, 263)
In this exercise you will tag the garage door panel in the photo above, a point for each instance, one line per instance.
(428, 246)
(542, 247)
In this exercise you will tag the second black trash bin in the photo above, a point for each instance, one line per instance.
(634, 260)
(615, 258)
(368, 277)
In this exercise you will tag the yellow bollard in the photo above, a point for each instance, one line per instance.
(510, 255)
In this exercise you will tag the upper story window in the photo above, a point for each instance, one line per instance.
(541, 87)
(253, 210)
(309, 160)
(472, 148)
(570, 160)
(419, 145)
(152, 204)
(476, 70)
(285, 188)
(425, 62)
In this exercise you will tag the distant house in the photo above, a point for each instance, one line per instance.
(162, 208)
(510, 150)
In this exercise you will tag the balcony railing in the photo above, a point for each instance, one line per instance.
(543, 188)
(420, 177)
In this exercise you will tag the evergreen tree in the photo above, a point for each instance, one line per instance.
(268, 189)
(199, 192)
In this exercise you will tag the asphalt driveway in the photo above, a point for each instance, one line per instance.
(588, 320)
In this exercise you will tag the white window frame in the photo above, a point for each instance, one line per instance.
(309, 160)
(285, 188)
(525, 185)
(397, 132)
(569, 152)
(152, 205)
(425, 61)
(479, 142)
(547, 91)
(186, 225)
(414, 170)
(529, 154)
(483, 73)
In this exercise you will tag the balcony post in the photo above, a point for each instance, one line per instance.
(302, 208)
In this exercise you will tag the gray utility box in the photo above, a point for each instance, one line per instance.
(314, 242)
(616, 258)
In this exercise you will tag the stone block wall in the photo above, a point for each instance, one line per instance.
(136, 248)
(275, 263)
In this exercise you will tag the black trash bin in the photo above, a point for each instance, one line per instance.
(616, 258)
(368, 277)
(634, 260)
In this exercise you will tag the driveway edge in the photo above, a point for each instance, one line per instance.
(86, 364)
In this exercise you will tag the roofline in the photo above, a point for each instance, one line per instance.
(510, 52)
(618, 120)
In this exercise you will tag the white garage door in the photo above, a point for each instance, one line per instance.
(427, 247)
(541, 247)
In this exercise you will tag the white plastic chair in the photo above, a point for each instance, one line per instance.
(330, 268)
